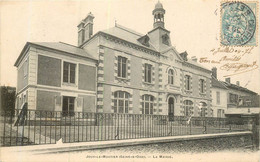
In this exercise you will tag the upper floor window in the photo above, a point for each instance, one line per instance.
(148, 73)
(69, 72)
(147, 104)
(233, 98)
(25, 68)
(121, 67)
(165, 39)
(218, 98)
(187, 82)
(170, 76)
(188, 105)
(201, 82)
(121, 102)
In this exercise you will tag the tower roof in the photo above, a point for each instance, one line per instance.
(158, 5)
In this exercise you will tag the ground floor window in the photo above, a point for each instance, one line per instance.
(121, 102)
(68, 106)
(188, 106)
(203, 109)
(220, 113)
(147, 104)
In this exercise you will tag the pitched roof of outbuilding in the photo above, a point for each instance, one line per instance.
(59, 46)
(217, 84)
(236, 87)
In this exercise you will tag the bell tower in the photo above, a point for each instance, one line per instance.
(158, 14)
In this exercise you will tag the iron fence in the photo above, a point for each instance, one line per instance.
(33, 127)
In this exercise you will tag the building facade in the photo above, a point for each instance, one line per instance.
(239, 96)
(219, 96)
(56, 77)
(144, 74)
(114, 71)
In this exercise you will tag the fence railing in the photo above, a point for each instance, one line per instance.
(47, 127)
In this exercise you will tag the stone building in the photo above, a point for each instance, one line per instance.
(116, 70)
(56, 77)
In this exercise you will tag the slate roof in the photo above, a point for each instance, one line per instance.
(196, 64)
(217, 84)
(236, 87)
(65, 48)
(127, 34)
(60, 46)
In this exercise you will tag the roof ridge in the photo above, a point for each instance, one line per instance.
(70, 45)
(128, 30)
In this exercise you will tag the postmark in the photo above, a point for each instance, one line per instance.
(238, 23)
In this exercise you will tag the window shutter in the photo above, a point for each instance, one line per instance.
(200, 86)
(185, 80)
(79, 107)
(58, 100)
(205, 84)
(58, 103)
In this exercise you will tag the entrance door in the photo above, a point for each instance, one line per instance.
(171, 108)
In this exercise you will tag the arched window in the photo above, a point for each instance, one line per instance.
(203, 109)
(147, 104)
(188, 106)
(121, 102)
(170, 76)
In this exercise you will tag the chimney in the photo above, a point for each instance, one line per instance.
(214, 72)
(238, 83)
(227, 80)
(194, 58)
(184, 56)
(81, 33)
(85, 29)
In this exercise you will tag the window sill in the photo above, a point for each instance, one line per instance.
(121, 78)
(69, 84)
(188, 91)
(147, 83)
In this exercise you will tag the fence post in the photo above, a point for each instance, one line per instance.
(255, 133)
(190, 126)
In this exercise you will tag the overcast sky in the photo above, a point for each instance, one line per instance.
(194, 26)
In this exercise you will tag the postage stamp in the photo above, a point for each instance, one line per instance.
(239, 23)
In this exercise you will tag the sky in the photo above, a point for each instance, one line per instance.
(194, 27)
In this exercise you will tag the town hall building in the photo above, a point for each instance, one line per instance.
(116, 70)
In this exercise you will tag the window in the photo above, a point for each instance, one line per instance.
(147, 104)
(121, 67)
(187, 82)
(188, 106)
(233, 98)
(201, 86)
(220, 113)
(68, 106)
(218, 98)
(202, 109)
(69, 72)
(170, 76)
(25, 68)
(165, 39)
(148, 73)
(121, 102)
